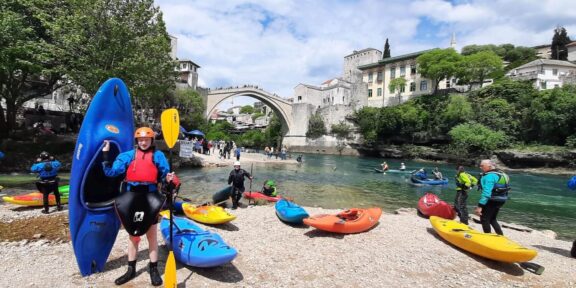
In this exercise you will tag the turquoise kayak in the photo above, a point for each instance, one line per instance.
(195, 246)
(290, 212)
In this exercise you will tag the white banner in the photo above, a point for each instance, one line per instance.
(186, 149)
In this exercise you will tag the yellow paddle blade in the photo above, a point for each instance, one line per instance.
(170, 126)
(170, 272)
(165, 214)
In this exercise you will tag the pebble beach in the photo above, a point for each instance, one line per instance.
(402, 251)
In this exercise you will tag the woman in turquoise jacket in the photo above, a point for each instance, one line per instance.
(495, 186)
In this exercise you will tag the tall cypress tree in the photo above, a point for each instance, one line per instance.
(386, 53)
(559, 41)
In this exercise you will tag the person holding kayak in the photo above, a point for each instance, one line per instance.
(495, 187)
(269, 188)
(145, 168)
(47, 169)
(464, 182)
(236, 178)
(402, 167)
(384, 166)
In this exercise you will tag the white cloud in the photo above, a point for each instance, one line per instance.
(305, 41)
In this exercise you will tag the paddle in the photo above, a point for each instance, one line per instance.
(250, 198)
(170, 128)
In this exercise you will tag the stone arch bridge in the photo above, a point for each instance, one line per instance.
(282, 107)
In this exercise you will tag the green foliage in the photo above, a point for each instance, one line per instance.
(499, 115)
(252, 138)
(396, 83)
(341, 130)
(219, 130)
(571, 141)
(458, 110)
(479, 66)
(559, 42)
(516, 56)
(439, 64)
(316, 126)
(386, 53)
(368, 122)
(247, 109)
(475, 138)
(273, 133)
(191, 108)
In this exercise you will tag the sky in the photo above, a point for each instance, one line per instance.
(278, 44)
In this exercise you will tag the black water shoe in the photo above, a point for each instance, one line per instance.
(155, 278)
(573, 251)
(129, 275)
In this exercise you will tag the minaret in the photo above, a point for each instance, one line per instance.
(453, 41)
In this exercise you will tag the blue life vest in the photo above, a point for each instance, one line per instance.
(501, 188)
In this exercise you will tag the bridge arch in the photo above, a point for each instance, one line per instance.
(280, 106)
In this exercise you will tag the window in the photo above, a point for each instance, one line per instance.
(542, 84)
(379, 77)
(379, 93)
(555, 72)
(412, 69)
(412, 86)
(299, 98)
(369, 93)
(556, 85)
(402, 71)
(402, 88)
(423, 85)
(447, 83)
(370, 77)
(392, 72)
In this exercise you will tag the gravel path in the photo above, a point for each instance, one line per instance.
(402, 251)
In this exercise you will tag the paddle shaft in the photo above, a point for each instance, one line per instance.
(251, 166)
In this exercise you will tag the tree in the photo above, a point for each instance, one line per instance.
(438, 64)
(247, 109)
(273, 133)
(396, 84)
(29, 65)
(475, 139)
(316, 127)
(341, 130)
(458, 110)
(386, 53)
(559, 42)
(516, 56)
(118, 38)
(191, 108)
(478, 66)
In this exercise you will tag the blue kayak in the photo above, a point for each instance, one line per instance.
(429, 181)
(290, 212)
(194, 246)
(93, 221)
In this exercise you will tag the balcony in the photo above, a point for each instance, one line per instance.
(532, 75)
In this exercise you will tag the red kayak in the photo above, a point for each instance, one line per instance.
(431, 205)
(258, 195)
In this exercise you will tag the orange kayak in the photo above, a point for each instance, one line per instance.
(36, 198)
(354, 220)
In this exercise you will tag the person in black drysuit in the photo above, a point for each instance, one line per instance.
(236, 178)
(47, 169)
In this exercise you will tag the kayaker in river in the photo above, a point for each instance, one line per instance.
(47, 169)
(384, 166)
(495, 187)
(402, 167)
(437, 174)
(145, 168)
(269, 188)
(236, 178)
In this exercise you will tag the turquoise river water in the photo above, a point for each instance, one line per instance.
(329, 181)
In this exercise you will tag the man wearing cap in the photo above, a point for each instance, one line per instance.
(236, 178)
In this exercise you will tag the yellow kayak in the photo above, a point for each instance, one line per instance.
(207, 214)
(488, 245)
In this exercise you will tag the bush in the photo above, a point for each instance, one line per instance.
(476, 139)
(316, 127)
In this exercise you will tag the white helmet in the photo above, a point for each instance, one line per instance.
(236, 163)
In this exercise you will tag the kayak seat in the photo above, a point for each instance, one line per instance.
(100, 204)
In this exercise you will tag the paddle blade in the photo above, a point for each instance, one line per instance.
(170, 126)
(170, 272)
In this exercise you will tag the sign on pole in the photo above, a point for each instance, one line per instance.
(186, 149)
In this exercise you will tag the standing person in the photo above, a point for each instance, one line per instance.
(237, 153)
(47, 169)
(495, 187)
(283, 153)
(145, 168)
(464, 182)
(236, 178)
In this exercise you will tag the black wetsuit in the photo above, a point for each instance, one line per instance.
(236, 178)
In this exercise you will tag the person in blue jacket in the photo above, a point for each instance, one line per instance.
(47, 169)
(495, 186)
(145, 169)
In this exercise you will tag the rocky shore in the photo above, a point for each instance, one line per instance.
(402, 251)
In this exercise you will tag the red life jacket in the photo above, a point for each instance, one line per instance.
(142, 168)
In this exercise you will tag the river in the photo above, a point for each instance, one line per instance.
(330, 181)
